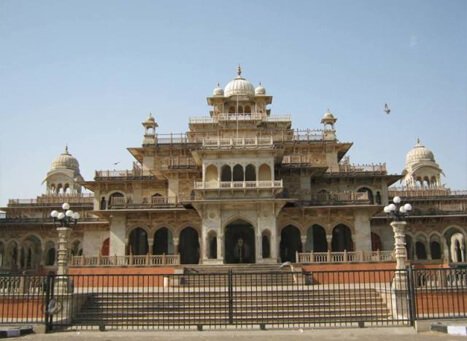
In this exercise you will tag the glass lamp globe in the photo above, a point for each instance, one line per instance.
(61, 215)
(408, 207)
(54, 214)
(396, 200)
(66, 206)
(76, 215)
(69, 213)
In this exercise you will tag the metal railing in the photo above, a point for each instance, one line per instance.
(268, 299)
(344, 257)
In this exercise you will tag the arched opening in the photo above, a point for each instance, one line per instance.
(226, 173)
(163, 242)
(266, 244)
(420, 250)
(264, 173)
(32, 252)
(376, 242)
(116, 198)
(103, 204)
(212, 245)
(238, 173)
(105, 247)
(50, 253)
(240, 109)
(189, 246)
(250, 173)
(455, 241)
(247, 109)
(231, 109)
(59, 189)
(378, 198)
(435, 249)
(66, 189)
(290, 243)
(239, 242)
(76, 249)
(138, 244)
(211, 174)
(370, 194)
(316, 239)
(341, 238)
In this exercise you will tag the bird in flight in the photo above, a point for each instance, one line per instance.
(116, 163)
(386, 109)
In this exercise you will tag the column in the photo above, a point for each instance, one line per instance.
(362, 236)
(117, 235)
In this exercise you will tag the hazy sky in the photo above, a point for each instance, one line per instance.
(87, 73)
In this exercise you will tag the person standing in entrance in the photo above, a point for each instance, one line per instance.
(241, 251)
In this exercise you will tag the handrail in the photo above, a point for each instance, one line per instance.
(344, 257)
(140, 260)
(238, 184)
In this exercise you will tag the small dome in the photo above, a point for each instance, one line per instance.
(239, 86)
(419, 153)
(328, 118)
(65, 161)
(218, 91)
(260, 90)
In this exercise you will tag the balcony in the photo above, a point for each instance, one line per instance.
(337, 198)
(178, 162)
(118, 203)
(145, 260)
(345, 257)
(300, 161)
(117, 175)
(239, 142)
(434, 192)
(347, 169)
(239, 117)
(53, 200)
(239, 185)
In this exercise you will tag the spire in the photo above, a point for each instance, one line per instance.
(239, 71)
(66, 150)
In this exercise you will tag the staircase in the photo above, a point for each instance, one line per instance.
(254, 300)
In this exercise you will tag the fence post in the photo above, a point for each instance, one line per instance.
(49, 282)
(411, 295)
(230, 292)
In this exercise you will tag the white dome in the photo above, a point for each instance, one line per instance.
(239, 86)
(260, 90)
(218, 91)
(65, 161)
(418, 154)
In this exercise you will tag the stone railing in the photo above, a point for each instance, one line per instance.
(179, 162)
(441, 278)
(53, 199)
(153, 202)
(130, 260)
(238, 184)
(237, 142)
(297, 159)
(308, 135)
(239, 117)
(21, 284)
(404, 192)
(122, 174)
(345, 257)
(336, 198)
(366, 168)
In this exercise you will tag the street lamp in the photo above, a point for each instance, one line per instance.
(398, 212)
(63, 221)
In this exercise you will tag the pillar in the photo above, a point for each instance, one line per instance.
(117, 235)
(362, 235)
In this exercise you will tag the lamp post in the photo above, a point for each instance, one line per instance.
(63, 221)
(398, 212)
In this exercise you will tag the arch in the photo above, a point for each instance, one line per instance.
(59, 188)
(231, 109)
(114, 198)
(264, 173)
(138, 242)
(250, 173)
(239, 242)
(266, 244)
(420, 250)
(189, 246)
(76, 249)
(290, 243)
(316, 239)
(237, 174)
(50, 253)
(211, 174)
(452, 235)
(247, 109)
(31, 252)
(239, 109)
(341, 238)
(212, 245)
(12, 255)
(163, 242)
(103, 204)
(378, 198)
(226, 173)
(105, 247)
(370, 193)
(435, 250)
(376, 243)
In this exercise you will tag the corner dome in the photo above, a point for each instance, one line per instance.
(239, 86)
(218, 91)
(260, 90)
(65, 161)
(418, 154)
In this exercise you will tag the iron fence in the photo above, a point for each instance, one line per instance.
(234, 300)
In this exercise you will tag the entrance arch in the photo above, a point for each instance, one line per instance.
(189, 246)
(138, 244)
(163, 242)
(239, 242)
(341, 239)
(290, 243)
(316, 239)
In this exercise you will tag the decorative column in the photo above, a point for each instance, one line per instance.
(400, 251)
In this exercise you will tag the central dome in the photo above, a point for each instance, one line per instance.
(239, 86)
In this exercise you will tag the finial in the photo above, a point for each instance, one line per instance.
(150, 114)
(418, 140)
(239, 70)
(260, 84)
(66, 149)
(218, 85)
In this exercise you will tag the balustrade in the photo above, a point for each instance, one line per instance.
(345, 257)
(238, 184)
(140, 260)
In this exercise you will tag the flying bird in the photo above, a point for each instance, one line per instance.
(386, 109)
(116, 163)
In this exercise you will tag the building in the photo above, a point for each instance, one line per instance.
(241, 186)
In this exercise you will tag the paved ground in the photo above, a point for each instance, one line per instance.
(365, 334)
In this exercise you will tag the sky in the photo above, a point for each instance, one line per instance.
(87, 73)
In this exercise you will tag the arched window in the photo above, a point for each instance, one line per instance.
(238, 173)
(50, 256)
(370, 194)
(105, 248)
(163, 242)
(138, 244)
(189, 246)
(226, 173)
(116, 198)
(290, 243)
(211, 174)
(316, 239)
(378, 198)
(376, 242)
(435, 249)
(409, 246)
(231, 110)
(420, 250)
(264, 173)
(342, 238)
(250, 173)
(247, 109)
(102, 204)
(266, 244)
